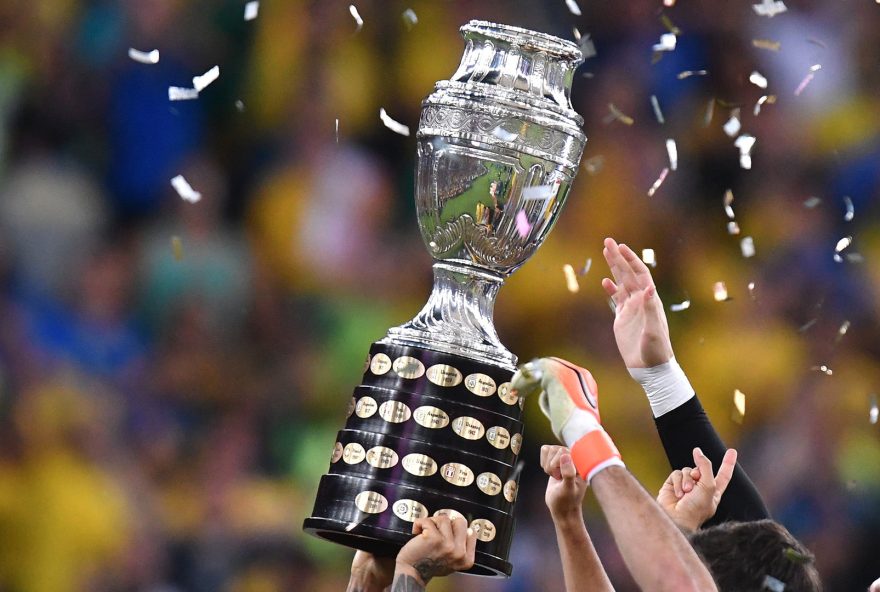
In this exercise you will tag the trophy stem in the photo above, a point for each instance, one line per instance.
(457, 318)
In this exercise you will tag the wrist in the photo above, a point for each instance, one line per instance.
(407, 569)
(666, 386)
(567, 516)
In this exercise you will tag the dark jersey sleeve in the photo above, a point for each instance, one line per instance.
(686, 427)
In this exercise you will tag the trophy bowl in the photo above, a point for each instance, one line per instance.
(434, 427)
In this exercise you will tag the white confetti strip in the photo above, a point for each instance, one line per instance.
(672, 151)
(728, 203)
(769, 99)
(649, 257)
(823, 369)
(733, 125)
(336, 130)
(618, 115)
(504, 135)
(758, 79)
(751, 288)
(586, 267)
(540, 192)
(522, 224)
(573, 7)
(844, 327)
(689, 73)
(184, 190)
(410, 18)
(719, 292)
(747, 246)
(144, 57)
(251, 10)
(850, 209)
(732, 227)
(667, 42)
(179, 93)
(657, 112)
(769, 8)
(394, 126)
(594, 164)
(843, 243)
(809, 77)
(812, 201)
(680, 306)
(671, 3)
(571, 280)
(874, 411)
(588, 48)
(766, 44)
(201, 82)
(356, 16)
(239, 105)
(658, 182)
(739, 405)
(745, 143)
(772, 584)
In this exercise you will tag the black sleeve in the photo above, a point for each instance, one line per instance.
(686, 427)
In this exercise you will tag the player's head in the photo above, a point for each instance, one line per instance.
(742, 555)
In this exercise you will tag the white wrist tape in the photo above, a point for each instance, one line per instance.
(666, 386)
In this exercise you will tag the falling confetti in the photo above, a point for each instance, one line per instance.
(732, 227)
(356, 16)
(733, 125)
(667, 42)
(751, 288)
(594, 164)
(672, 150)
(745, 143)
(689, 73)
(768, 99)
(728, 203)
(571, 280)
(772, 584)
(586, 267)
(649, 257)
(522, 224)
(670, 26)
(843, 244)
(657, 112)
(336, 130)
(184, 190)
(719, 292)
(200, 83)
(144, 57)
(823, 369)
(842, 331)
(504, 135)
(850, 209)
(747, 246)
(239, 105)
(807, 326)
(177, 248)
(800, 88)
(710, 112)
(739, 406)
(573, 7)
(766, 44)
(812, 202)
(758, 79)
(540, 192)
(588, 48)
(178, 93)
(671, 3)
(394, 126)
(618, 115)
(680, 306)
(251, 9)
(874, 412)
(658, 182)
(410, 18)
(769, 8)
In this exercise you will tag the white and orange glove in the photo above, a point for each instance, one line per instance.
(569, 397)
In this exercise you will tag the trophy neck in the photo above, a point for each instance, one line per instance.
(457, 318)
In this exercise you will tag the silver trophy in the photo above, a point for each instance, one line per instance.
(434, 426)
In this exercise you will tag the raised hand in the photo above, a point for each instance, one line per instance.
(442, 545)
(640, 326)
(370, 573)
(690, 496)
(565, 489)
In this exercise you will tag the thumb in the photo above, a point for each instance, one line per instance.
(705, 465)
(566, 467)
(725, 472)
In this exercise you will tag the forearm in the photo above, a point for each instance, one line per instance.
(407, 579)
(361, 582)
(581, 566)
(687, 427)
(662, 561)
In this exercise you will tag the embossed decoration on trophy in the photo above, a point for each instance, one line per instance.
(433, 426)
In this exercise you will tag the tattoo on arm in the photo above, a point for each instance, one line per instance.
(428, 568)
(404, 583)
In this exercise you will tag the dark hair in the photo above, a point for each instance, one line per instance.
(741, 556)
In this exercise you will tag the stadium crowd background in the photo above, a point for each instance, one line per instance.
(172, 374)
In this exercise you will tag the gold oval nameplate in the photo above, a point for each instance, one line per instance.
(408, 367)
(420, 465)
(351, 406)
(353, 453)
(516, 443)
(371, 502)
(453, 514)
(381, 457)
(380, 364)
(443, 375)
(394, 411)
(337, 453)
(510, 491)
(489, 483)
(457, 474)
(409, 510)
(468, 428)
(485, 530)
(431, 417)
(480, 384)
(498, 437)
(365, 407)
(507, 394)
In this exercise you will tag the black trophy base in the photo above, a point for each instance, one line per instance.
(427, 432)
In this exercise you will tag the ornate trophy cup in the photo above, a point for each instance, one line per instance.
(434, 425)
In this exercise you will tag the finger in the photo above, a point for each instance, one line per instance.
(566, 467)
(725, 471)
(687, 481)
(707, 477)
(695, 474)
(425, 526)
(627, 274)
(444, 526)
(471, 547)
(640, 270)
(545, 453)
(459, 534)
(676, 483)
(555, 471)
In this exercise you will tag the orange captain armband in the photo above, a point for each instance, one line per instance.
(594, 452)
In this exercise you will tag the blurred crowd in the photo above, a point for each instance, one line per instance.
(172, 374)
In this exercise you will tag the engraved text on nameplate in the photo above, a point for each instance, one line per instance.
(516, 443)
(444, 375)
(420, 465)
(489, 483)
(468, 428)
(507, 394)
(510, 491)
(394, 411)
(484, 528)
(381, 457)
(409, 510)
(366, 406)
(431, 417)
(480, 384)
(353, 453)
(408, 367)
(498, 437)
(380, 364)
(457, 474)
(371, 502)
